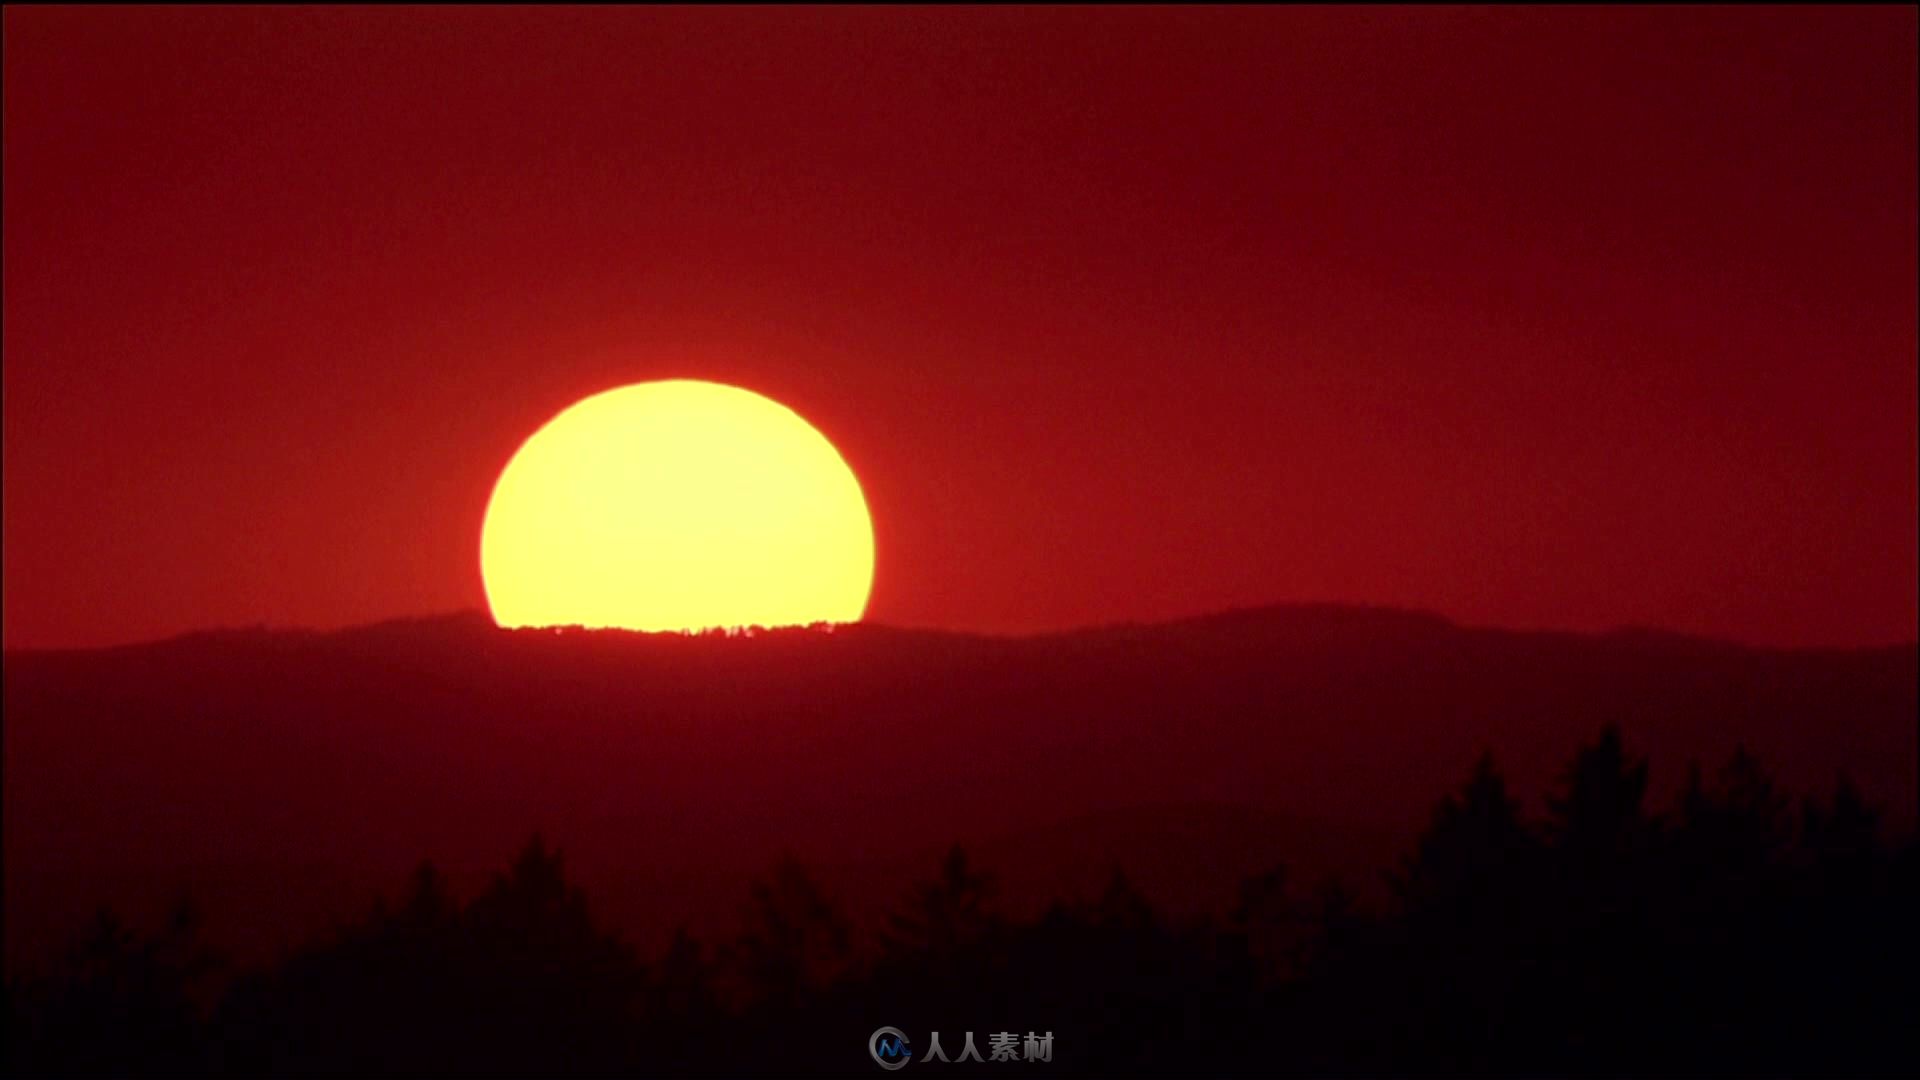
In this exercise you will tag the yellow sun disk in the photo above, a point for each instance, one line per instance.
(676, 505)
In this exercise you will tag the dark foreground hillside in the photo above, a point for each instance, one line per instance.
(1733, 931)
(283, 778)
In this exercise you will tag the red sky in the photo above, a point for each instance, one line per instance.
(1530, 317)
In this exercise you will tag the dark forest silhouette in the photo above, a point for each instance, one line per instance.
(282, 777)
(1737, 930)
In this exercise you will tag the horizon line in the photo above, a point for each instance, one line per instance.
(1385, 611)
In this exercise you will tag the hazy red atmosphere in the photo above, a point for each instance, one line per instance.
(1569, 318)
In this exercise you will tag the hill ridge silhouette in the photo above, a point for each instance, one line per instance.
(1294, 614)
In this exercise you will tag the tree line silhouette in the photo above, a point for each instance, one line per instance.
(1738, 931)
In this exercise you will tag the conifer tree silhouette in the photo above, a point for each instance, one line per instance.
(1598, 819)
(1475, 853)
(796, 940)
(944, 916)
(1842, 836)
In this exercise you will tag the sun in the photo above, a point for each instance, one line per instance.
(676, 505)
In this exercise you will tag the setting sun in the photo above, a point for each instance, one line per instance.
(676, 505)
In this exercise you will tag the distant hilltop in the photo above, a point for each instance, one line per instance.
(1264, 619)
